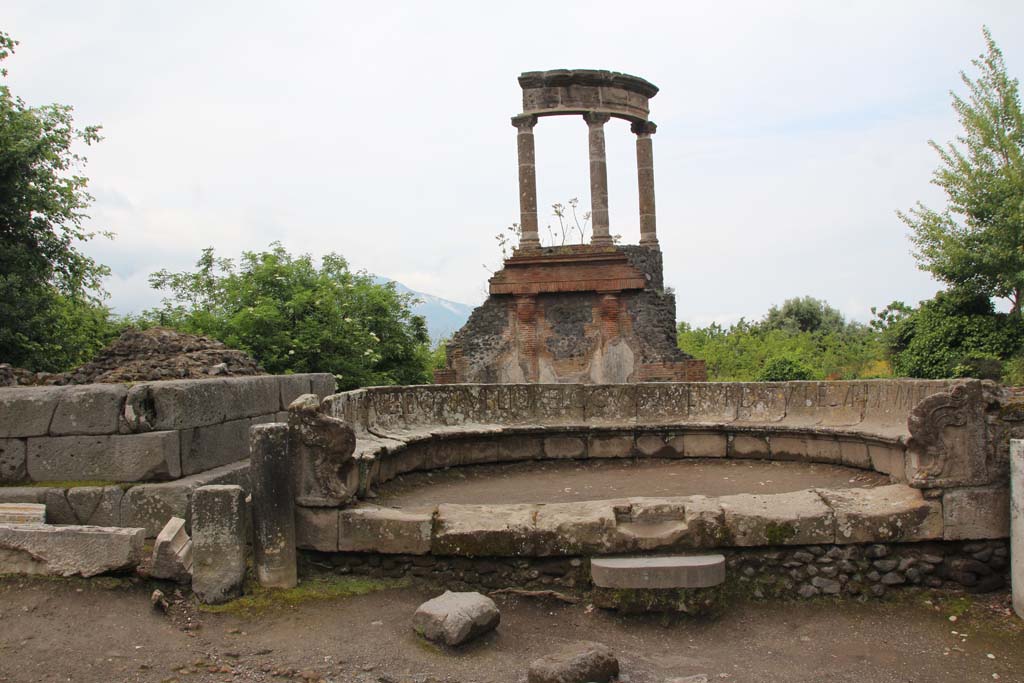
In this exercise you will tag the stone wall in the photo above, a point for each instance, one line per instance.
(183, 434)
(805, 571)
(573, 314)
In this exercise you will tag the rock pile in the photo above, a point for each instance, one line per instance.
(146, 355)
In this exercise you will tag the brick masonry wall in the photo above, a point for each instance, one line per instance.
(611, 335)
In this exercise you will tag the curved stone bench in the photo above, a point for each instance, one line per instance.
(939, 442)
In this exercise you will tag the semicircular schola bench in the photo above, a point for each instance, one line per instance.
(943, 444)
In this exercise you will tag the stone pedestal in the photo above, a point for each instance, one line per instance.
(218, 543)
(1017, 524)
(273, 506)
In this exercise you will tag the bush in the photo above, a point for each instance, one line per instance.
(784, 370)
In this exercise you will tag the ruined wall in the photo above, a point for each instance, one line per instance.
(573, 315)
(182, 434)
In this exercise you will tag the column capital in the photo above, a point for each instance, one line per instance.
(524, 121)
(644, 128)
(596, 118)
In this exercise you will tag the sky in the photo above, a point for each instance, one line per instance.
(789, 134)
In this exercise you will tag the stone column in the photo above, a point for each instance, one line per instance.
(273, 506)
(645, 178)
(1017, 524)
(218, 543)
(598, 178)
(530, 238)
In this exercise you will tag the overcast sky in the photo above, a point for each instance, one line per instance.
(788, 133)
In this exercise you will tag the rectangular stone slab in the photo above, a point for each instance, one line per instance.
(22, 513)
(883, 514)
(797, 518)
(68, 550)
(666, 571)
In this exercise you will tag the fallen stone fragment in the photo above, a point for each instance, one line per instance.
(22, 513)
(218, 543)
(456, 618)
(159, 601)
(172, 553)
(68, 550)
(582, 662)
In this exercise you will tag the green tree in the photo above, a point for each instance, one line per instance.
(956, 334)
(293, 317)
(51, 312)
(804, 314)
(976, 241)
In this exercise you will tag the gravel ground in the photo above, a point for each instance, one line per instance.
(106, 630)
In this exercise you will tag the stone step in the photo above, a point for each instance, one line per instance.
(658, 571)
(22, 513)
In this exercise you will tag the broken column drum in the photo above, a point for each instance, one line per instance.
(577, 313)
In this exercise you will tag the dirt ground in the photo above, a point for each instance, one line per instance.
(567, 481)
(106, 630)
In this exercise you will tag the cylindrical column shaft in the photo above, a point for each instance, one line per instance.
(273, 506)
(1017, 524)
(598, 178)
(645, 179)
(529, 236)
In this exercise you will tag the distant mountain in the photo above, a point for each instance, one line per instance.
(444, 317)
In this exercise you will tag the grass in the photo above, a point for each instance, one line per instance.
(258, 599)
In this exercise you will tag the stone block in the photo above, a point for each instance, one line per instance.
(23, 494)
(68, 550)
(582, 662)
(323, 384)
(519, 448)
(89, 409)
(705, 445)
(96, 505)
(13, 467)
(384, 530)
(204, 448)
(27, 411)
(854, 454)
(610, 446)
(485, 530)
(177, 404)
(252, 396)
(456, 618)
(119, 457)
(583, 528)
(614, 403)
(889, 460)
(316, 529)
(666, 571)
(977, 512)
(897, 514)
(58, 509)
(567, 447)
(797, 518)
(659, 402)
(748, 446)
(172, 552)
(714, 402)
(151, 505)
(218, 543)
(762, 402)
(824, 448)
(22, 513)
(785, 447)
(291, 387)
(655, 446)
